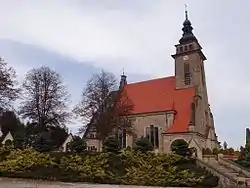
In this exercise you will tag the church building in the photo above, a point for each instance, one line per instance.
(175, 107)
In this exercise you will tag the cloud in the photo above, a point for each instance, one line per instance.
(108, 35)
(140, 37)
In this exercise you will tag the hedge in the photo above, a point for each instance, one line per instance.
(127, 167)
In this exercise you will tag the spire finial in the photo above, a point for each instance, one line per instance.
(187, 29)
(186, 12)
(122, 71)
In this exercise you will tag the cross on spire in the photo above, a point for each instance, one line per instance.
(186, 12)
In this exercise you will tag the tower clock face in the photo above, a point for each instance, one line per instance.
(185, 58)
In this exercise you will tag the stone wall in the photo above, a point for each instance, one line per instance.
(234, 166)
(225, 181)
(21, 183)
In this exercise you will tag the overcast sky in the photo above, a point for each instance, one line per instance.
(79, 37)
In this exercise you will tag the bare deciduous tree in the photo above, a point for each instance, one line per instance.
(45, 98)
(104, 105)
(8, 90)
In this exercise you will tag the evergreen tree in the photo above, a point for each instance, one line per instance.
(111, 144)
(143, 144)
(225, 145)
(77, 145)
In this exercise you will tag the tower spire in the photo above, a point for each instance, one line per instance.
(187, 29)
(123, 80)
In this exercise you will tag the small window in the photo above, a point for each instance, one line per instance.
(191, 47)
(185, 48)
(92, 135)
(181, 49)
(91, 148)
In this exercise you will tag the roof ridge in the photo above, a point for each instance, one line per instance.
(154, 79)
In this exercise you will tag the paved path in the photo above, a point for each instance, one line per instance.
(21, 183)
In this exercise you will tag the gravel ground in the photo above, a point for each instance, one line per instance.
(21, 183)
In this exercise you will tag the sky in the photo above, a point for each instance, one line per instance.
(80, 37)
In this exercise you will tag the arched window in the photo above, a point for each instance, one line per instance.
(152, 133)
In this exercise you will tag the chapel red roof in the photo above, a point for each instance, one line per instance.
(160, 95)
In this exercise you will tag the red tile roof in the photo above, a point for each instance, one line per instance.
(160, 95)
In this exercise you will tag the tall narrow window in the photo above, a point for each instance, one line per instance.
(152, 134)
(156, 136)
(187, 74)
(122, 137)
(147, 133)
(202, 74)
(185, 48)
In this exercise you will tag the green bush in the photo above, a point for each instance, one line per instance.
(143, 144)
(92, 168)
(207, 151)
(111, 144)
(4, 152)
(25, 160)
(216, 151)
(156, 170)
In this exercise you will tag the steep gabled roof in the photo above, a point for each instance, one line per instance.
(68, 139)
(4, 136)
(159, 95)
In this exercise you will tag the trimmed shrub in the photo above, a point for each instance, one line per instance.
(127, 167)
(25, 160)
(111, 144)
(143, 144)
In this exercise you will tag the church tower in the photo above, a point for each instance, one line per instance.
(189, 60)
(190, 72)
